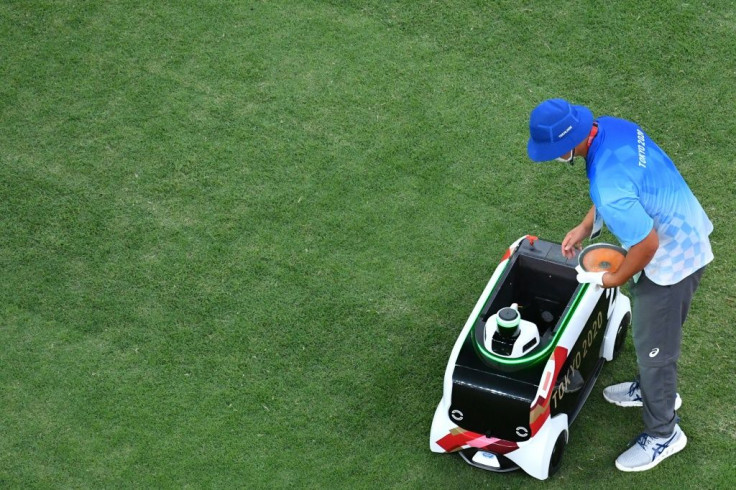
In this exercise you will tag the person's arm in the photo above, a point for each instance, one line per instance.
(574, 238)
(636, 259)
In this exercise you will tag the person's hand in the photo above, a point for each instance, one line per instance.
(574, 240)
(591, 277)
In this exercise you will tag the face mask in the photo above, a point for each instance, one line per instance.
(567, 160)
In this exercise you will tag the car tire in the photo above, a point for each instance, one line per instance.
(623, 328)
(555, 459)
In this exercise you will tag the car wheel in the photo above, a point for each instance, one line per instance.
(555, 459)
(623, 328)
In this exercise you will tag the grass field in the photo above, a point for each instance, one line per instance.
(238, 239)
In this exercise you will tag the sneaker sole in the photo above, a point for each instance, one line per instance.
(673, 449)
(678, 402)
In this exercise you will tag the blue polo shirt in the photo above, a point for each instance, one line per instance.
(635, 187)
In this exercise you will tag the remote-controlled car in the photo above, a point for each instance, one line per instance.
(526, 361)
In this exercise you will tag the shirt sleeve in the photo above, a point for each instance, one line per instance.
(627, 219)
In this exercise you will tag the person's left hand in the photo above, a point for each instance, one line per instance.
(591, 277)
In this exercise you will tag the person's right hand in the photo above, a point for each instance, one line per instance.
(574, 240)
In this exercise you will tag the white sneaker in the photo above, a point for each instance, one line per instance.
(647, 452)
(629, 395)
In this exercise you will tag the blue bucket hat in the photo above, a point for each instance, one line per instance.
(555, 128)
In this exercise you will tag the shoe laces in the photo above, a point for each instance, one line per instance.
(633, 389)
(643, 440)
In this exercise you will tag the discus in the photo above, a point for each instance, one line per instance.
(601, 257)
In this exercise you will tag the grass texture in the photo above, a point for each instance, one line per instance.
(238, 239)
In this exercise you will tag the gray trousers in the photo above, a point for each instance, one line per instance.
(658, 315)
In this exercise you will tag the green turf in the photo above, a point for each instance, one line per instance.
(238, 239)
